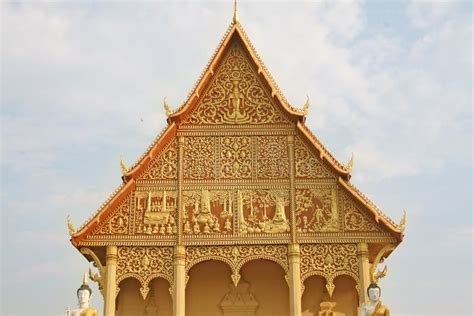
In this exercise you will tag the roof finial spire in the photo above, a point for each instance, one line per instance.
(236, 18)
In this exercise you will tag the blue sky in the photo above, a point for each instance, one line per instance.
(82, 83)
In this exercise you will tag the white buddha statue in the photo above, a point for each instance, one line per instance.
(374, 307)
(84, 294)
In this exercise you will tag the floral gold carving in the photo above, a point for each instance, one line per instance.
(272, 157)
(317, 210)
(156, 212)
(207, 212)
(118, 222)
(235, 157)
(145, 264)
(235, 96)
(329, 261)
(164, 166)
(199, 158)
(237, 256)
(355, 219)
(307, 164)
(263, 211)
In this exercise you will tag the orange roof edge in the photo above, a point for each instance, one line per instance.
(209, 70)
(378, 215)
(102, 213)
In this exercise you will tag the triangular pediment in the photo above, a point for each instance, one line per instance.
(236, 95)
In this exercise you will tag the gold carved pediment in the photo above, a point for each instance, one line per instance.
(235, 95)
(356, 219)
(165, 165)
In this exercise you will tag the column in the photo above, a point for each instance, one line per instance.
(364, 271)
(294, 279)
(110, 280)
(291, 156)
(179, 280)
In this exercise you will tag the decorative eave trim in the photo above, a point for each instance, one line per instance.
(379, 217)
(199, 88)
(324, 154)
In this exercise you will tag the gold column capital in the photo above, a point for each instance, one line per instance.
(362, 249)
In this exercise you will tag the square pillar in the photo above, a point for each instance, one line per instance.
(364, 271)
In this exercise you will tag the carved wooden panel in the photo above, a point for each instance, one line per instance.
(308, 165)
(165, 165)
(356, 219)
(199, 158)
(272, 157)
(317, 209)
(118, 222)
(236, 157)
(156, 213)
(235, 96)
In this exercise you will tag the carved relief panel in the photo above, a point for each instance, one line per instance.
(308, 166)
(272, 157)
(155, 213)
(199, 158)
(356, 219)
(235, 157)
(164, 166)
(118, 222)
(207, 212)
(317, 209)
(263, 211)
(235, 96)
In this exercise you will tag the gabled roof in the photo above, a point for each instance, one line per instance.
(234, 32)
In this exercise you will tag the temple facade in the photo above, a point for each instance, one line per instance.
(236, 209)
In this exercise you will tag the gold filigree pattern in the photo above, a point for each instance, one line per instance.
(237, 256)
(164, 166)
(355, 219)
(272, 157)
(144, 264)
(329, 261)
(235, 96)
(307, 165)
(235, 157)
(207, 212)
(199, 158)
(118, 222)
(317, 210)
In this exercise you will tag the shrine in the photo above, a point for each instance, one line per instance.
(237, 209)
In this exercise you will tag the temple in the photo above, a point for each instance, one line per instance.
(236, 209)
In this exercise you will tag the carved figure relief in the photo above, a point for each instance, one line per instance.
(356, 219)
(156, 212)
(272, 157)
(329, 261)
(199, 158)
(307, 165)
(235, 96)
(164, 166)
(118, 222)
(207, 212)
(235, 157)
(263, 211)
(317, 210)
(144, 264)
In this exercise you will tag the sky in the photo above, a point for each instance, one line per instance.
(82, 84)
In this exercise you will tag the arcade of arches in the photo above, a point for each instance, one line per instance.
(236, 209)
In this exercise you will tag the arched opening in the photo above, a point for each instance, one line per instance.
(157, 303)
(314, 293)
(345, 295)
(207, 285)
(266, 282)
